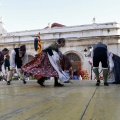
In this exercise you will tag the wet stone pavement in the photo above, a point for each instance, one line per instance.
(81, 100)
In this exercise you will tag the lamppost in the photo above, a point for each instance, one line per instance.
(88, 55)
(85, 52)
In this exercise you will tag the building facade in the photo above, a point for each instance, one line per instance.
(78, 38)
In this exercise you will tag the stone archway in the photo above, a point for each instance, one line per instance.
(75, 59)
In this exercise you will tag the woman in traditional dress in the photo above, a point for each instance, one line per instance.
(66, 65)
(111, 77)
(46, 64)
(114, 69)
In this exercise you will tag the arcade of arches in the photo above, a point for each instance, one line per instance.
(76, 61)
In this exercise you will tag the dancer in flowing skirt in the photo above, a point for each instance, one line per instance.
(47, 64)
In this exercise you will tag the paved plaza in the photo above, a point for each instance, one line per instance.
(81, 100)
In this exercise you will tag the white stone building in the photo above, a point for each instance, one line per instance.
(77, 38)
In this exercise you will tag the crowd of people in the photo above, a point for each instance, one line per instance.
(51, 62)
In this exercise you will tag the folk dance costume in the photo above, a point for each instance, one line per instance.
(45, 64)
(100, 54)
(66, 66)
(114, 68)
(7, 63)
(1, 63)
(6, 66)
(2, 54)
(111, 77)
(18, 57)
(1, 60)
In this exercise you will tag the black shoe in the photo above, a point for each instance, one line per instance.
(66, 81)
(58, 85)
(98, 83)
(114, 83)
(8, 82)
(40, 82)
(106, 84)
(24, 82)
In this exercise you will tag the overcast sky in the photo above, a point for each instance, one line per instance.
(36, 14)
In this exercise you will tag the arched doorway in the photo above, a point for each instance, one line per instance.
(75, 59)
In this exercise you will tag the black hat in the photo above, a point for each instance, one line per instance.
(23, 48)
(61, 40)
(5, 49)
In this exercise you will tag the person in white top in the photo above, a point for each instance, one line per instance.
(111, 77)
(18, 57)
(47, 64)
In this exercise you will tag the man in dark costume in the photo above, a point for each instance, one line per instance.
(18, 57)
(2, 54)
(7, 63)
(100, 54)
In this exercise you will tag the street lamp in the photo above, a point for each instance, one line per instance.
(90, 48)
(85, 52)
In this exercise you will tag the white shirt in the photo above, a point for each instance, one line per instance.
(111, 63)
(12, 59)
(55, 56)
